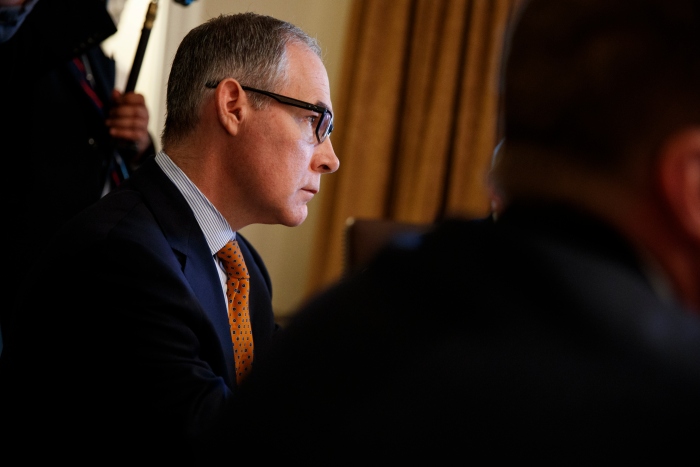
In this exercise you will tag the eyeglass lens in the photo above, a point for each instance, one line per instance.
(325, 126)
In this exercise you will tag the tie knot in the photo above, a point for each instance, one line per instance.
(232, 259)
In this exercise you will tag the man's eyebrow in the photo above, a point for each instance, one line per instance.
(324, 105)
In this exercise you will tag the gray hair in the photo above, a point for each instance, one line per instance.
(248, 47)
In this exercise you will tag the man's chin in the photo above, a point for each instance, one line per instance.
(295, 218)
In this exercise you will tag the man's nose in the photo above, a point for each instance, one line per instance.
(326, 161)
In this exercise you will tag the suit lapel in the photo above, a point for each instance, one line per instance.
(187, 241)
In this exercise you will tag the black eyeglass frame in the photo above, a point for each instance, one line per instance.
(295, 103)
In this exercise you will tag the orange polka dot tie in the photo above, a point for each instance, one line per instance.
(237, 291)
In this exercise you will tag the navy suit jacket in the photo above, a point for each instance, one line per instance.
(123, 330)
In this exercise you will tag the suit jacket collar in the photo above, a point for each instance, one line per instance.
(187, 240)
(604, 277)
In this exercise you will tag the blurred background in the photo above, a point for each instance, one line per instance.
(415, 93)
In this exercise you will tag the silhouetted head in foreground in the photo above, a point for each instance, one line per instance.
(602, 110)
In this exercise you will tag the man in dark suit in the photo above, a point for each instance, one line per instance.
(566, 331)
(66, 130)
(125, 334)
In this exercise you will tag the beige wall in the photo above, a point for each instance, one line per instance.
(286, 250)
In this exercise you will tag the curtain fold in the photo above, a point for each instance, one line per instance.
(416, 118)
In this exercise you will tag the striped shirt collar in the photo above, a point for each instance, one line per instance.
(216, 229)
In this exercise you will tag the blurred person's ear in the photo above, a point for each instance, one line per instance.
(679, 177)
(495, 194)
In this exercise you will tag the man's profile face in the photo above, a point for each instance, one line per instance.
(284, 160)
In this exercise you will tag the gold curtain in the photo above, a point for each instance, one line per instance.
(416, 117)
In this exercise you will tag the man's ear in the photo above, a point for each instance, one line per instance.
(231, 105)
(679, 177)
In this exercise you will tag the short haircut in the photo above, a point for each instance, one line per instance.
(248, 47)
(598, 84)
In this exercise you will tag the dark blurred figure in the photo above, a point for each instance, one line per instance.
(69, 135)
(566, 331)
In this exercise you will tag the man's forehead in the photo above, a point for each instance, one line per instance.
(308, 79)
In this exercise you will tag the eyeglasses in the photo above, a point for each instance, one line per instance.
(325, 121)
